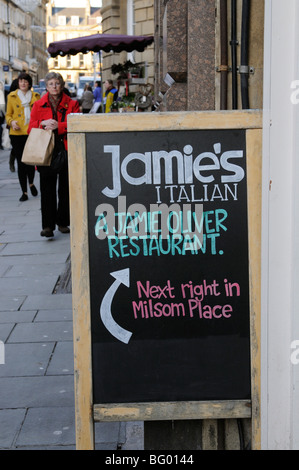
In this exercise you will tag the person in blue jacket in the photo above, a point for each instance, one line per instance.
(97, 94)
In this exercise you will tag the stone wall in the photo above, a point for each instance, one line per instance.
(187, 46)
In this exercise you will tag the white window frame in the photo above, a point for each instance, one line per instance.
(61, 20)
(75, 20)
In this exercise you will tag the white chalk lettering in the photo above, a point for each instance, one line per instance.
(204, 168)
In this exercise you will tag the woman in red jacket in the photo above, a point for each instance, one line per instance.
(50, 112)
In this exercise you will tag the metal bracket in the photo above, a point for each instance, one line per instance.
(223, 68)
(245, 69)
(240, 69)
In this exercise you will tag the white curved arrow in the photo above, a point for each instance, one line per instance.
(121, 277)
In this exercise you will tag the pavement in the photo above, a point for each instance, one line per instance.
(37, 410)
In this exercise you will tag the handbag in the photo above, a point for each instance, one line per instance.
(39, 147)
(59, 156)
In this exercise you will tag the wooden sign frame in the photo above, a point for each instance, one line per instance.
(87, 412)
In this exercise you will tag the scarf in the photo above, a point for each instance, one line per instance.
(25, 100)
(54, 102)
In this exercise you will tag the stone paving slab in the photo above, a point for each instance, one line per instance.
(47, 302)
(27, 285)
(34, 259)
(16, 207)
(18, 223)
(58, 429)
(29, 392)
(26, 359)
(34, 271)
(6, 226)
(134, 436)
(62, 360)
(15, 215)
(5, 331)
(53, 315)
(17, 317)
(55, 427)
(22, 235)
(41, 332)
(11, 212)
(3, 270)
(44, 246)
(9, 184)
(11, 302)
(11, 422)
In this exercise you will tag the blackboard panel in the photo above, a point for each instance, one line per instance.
(197, 355)
(173, 371)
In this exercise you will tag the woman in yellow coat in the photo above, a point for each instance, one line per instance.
(110, 95)
(19, 104)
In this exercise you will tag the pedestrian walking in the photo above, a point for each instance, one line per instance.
(87, 99)
(110, 95)
(12, 158)
(2, 111)
(97, 94)
(19, 105)
(50, 112)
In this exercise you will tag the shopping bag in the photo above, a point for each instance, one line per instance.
(39, 147)
(5, 138)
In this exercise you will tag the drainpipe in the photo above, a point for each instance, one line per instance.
(223, 53)
(234, 44)
(244, 67)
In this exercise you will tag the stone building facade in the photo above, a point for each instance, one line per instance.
(22, 39)
(69, 22)
(189, 49)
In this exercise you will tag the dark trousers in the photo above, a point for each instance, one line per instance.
(54, 200)
(25, 172)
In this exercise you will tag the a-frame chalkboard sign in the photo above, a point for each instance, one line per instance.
(165, 250)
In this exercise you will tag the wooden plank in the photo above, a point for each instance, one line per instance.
(172, 410)
(80, 294)
(117, 122)
(254, 184)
